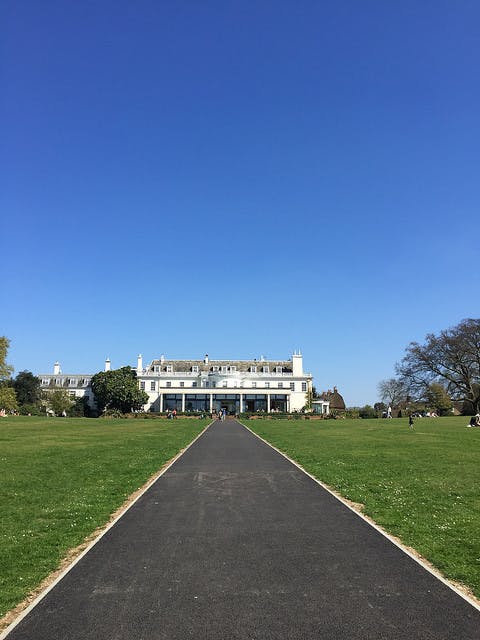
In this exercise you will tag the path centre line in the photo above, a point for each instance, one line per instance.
(151, 482)
(384, 533)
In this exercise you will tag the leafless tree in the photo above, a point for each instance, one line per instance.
(451, 358)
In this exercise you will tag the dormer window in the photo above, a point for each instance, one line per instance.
(215, 369)
(266, 369)
(169, 368)
(253, 369)
(279, 369)
(195, 368)
(233, 368)
(224, 369)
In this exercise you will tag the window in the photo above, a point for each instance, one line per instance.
(280, 385)
(233, 368)
(224, 384)
(224, 369)
(214, 369)
(206, 383)
(214, 384)
(169, 368)
(254, 385)
(266, 369)
(142, 386)
(194, 383)
(156, 368)
(195, 368)
(152, 386)
(304, 386)
(267, 385)
(279, 369)
(292, 386)
(182, 383)
(253, 369)
(169, 384)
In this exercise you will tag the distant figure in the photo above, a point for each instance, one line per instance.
(474, 421)
(174, 413)
(389, 412)
(410, 421)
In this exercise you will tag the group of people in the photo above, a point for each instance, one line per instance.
(474, 421)
(222, 414)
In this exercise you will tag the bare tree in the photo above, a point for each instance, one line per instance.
(391, 391)
(451, 358)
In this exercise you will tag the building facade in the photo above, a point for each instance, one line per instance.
(237, 386)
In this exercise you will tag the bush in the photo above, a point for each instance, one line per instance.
(31, 410)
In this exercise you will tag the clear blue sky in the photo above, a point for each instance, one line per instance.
(238, 178)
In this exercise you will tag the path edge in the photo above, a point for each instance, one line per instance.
(127, 506)
(422, 562)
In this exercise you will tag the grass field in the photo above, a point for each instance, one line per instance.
(62, 478)
(422, 485)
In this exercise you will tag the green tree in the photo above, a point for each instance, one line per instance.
(8, 399)
(27, 388)
(118, 389)
(59, 400)
(438, 398)
(5, 369)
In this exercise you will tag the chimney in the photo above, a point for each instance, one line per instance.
(297, 364)
(139, 363)
(107, 364)
(205, 360)
(56, 368)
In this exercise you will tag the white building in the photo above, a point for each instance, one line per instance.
(209, 385)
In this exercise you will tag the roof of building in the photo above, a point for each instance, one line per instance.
(335, 399)
(240, 365)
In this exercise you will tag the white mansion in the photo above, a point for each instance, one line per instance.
(208, 385)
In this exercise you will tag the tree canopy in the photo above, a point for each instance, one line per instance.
(118, 389)
(451, 359)
(5, 369)
(27, 388)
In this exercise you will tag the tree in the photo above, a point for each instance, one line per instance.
(8, 399)
(59, 400)
(438, 398)
(392, 391)
(118, 389)
(5, 369)
(451, 358)
(27, 388)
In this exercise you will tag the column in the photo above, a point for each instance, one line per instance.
(211, 403)
(268, 403)
(183, 403)
(241, 404)
(161, 402)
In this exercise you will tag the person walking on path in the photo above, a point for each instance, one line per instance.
(410, 421)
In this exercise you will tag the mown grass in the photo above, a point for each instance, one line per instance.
(422, 485)
(63, 478)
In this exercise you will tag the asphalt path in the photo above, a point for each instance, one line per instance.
(235, 542)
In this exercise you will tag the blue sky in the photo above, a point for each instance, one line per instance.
(238, 179)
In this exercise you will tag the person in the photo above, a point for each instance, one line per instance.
(389, 412)
(474, 421)
(410, 421)
(174, 413)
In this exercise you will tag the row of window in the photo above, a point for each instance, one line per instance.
(212, 385)
(215, 369)
(70, 382)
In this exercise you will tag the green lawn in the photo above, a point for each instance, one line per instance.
(422, 485)
(62, 478)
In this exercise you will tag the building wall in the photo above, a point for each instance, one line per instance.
(255, 385)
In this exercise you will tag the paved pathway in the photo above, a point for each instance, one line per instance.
(234, 542)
